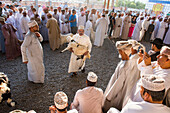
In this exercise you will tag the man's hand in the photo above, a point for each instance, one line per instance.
(140, 56)
(37, 34)
(53, 108)
(147, 59)
(86, 53)
(25, 62)
(123, 55)
(133, 51)
(71, 50)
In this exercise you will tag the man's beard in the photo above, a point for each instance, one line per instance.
(81, 34)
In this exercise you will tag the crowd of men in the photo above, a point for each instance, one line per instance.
(140, 82)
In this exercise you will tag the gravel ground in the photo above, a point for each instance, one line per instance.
(40, 96)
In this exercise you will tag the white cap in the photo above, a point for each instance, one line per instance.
(61, 100)
(166, 51)
(18, 111)
(81, 27)
(32, 23)
(92, 77)
(153, 82)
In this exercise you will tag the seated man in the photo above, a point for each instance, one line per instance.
(152, 92)
(61, 104)
(161, 67)
(156, 48)
(89, 99)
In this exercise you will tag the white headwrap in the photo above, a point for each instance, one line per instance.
(124, 46)
(32, 23)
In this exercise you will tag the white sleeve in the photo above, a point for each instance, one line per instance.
(24, 46)
(40, 38)
(89, 45)
(144, 69)
(76, 101)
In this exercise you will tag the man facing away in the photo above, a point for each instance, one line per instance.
(89, 99)
(61, 104)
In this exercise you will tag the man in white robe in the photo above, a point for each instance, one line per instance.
(157, 24)
(82, 19)
(88, 27)
(118, 25)
(24, 23)
(75, 63)
(145, 25)
(138, 28)
(121, 83)
(125, 27)
(32, 54)
(161, 30)
(101, 30)
(40, 10)
(161, 68)
(18, 22)
(152, 91)
(63, 23)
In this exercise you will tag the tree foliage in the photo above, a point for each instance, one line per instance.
(130, 4)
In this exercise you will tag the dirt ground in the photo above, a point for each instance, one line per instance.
(40, 96)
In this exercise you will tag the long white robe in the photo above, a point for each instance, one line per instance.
(117, 30)
(24, 24)
(88, 28)
(155, 31)
(145, 25)
(32, 52)
(161, 30)
(136, 32)
(18, 22)
(101, 30)
(63, 26)
(145, 107)
(81, 20)
(157, 24)
(152, 69)
(74, 63)
(121, 83)
(167, 39)
(125, 27)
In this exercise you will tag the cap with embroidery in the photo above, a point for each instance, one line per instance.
(81, 27)
(32, 23)
(153, 82)
(61, 100)
(92, 77)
